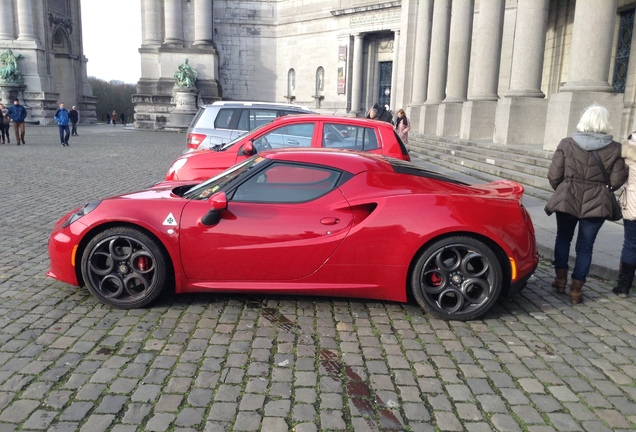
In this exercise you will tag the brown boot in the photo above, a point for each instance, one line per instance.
(576, 291)
(561, 280)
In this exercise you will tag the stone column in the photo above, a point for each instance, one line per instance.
(478, 114)
(522, 112)
(7, 31)
(436, 90)
(203, 22)
(588, 75)
(450, 112)
(395, 66)
(151, 22)
(26, 29)
(356, 78)
(590, 52)
(421, 61)
(173, 23)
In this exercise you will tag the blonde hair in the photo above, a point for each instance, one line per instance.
(595, 118)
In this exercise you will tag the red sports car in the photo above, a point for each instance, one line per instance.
(305, 222)
(292, 131)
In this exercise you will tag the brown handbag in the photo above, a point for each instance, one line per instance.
(617, 213)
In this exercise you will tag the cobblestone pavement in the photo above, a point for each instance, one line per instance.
(247, 363)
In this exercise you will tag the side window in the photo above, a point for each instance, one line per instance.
(288, 183)
(296, 135)
(259, 117)
(224, 118)
(244, 121)
(349, 137)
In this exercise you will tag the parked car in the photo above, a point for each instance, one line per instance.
(307, 130)
(223, 121)
(305, 222)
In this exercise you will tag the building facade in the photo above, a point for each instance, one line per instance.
(45, 37)
(508, 71)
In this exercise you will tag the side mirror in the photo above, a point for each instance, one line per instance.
(248, 148)
(218, 203)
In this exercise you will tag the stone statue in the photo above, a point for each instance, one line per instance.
(9, 71)
(186, 76)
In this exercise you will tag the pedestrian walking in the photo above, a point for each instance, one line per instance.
(581, 195)
(62, 119)
(73, 116)
(122, 117)
(5, 122)
(113, 117)
(18, 114)
(402, 126)
(627, 265)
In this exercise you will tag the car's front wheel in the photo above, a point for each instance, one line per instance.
(457, 278)
(125, 268)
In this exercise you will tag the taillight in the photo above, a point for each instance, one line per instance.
(526, 218)
(194, 140)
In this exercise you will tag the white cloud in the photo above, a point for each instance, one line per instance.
(111, 33)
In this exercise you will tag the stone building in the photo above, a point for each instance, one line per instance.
(509, 71)
(45, 36)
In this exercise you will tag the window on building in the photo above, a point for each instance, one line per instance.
(623, 48)
(291, 84)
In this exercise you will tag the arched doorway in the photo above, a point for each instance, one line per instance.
(63, 69)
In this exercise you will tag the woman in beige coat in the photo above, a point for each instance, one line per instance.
(627, 266)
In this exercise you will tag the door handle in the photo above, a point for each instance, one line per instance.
(329, 221)
(293, 142)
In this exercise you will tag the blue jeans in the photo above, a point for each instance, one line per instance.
(628, 254)
(65, 132)
(588, 229)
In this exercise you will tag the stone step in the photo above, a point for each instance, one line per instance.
(487, 152)
(487, 161)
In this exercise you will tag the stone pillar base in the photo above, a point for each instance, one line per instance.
(517, 120)
(428, 118)
(413, 114)
(8, 92)
(449, 119)
(40, 106)
(185, 99)
(478, 118)
(564, 113)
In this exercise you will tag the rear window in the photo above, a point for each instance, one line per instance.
(404, 167)
(224, 118)
(349, 137)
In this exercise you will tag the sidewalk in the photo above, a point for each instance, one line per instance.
(607, 249)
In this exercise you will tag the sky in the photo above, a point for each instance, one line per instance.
(111, 33)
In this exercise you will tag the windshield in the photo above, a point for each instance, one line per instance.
(240, 137)
(209, 187)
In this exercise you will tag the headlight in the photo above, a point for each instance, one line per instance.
(81, 212)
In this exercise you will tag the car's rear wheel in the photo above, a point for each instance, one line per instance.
(125, 268)
(457, 278)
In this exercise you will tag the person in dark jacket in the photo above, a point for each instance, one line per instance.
(62, 119)
(18, 114)
(581, 195)
(4, 124)
(73, 116)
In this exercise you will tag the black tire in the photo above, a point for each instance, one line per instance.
(457, 278)
(125, 267)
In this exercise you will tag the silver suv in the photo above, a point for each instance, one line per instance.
(221, 122)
